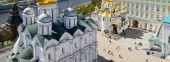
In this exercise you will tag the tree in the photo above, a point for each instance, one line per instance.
(5, 34)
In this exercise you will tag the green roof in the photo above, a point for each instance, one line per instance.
(26, 53)
(82, 25)
(33, 29)
(22, 27)
(12, 60)
(59, 32)
(91, 24)
(167, 19)
(72, 30)
(93, 21)
(14, 19)
(80, 17)
(43, 40)
(154, 39)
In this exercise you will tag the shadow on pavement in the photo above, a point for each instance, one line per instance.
(133, 33)
(102, 59)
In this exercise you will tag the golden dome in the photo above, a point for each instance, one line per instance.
(104, 13)
(96, 8)
(46, 2)
(116, 10)
(109, 0)
(116, 4)
(100, 13)
(123, 7)
(103, 4)
(110, 14)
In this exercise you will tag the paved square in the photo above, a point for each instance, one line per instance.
(108, 48)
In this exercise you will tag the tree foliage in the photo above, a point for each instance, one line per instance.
(6, 34)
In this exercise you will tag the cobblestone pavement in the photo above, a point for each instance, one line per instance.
(108, 49)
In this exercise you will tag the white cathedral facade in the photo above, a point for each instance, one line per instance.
(54, 38)
(111, 17)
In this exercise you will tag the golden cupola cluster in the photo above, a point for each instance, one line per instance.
(113, 11)
(106, 13)
(46, 2)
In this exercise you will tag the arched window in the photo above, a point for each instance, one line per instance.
(48, 30)
(42, 29)
(85, 40)
(63, 51)
(75, 60)
(75, 45)
(49, 57)
(69, 23)
(26, 21)
(85, 56)
(31, 20)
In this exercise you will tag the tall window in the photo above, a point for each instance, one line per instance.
(42, 29)
(147, 6)
(49, 57)
(52, 14)
(85, 56)
(31, 20)
(85, 40)
(48, 29)
(142, 5)
(75, 60)
(163, 8)
(69, 23)
(75, 45)
(169, 40)
(26, 20)
(152, 7)
(74, 22)
(63, 51)
(157, 7)
(137, 5)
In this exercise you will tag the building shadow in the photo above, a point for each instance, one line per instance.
(102, 59)
(133, 33)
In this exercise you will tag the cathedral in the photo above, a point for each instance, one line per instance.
(53, 37)
(111, 17)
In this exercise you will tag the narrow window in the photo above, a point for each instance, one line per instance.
(74, 22)
(31, 20)
(42, 30)
(169, 39)
(75, 60)
(69, 23)
(75, 45)
(49, 57)
(63, 51)
(48, 30)
(26, 20)
(52, 15)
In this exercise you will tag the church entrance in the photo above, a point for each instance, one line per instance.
(114, 28)
(135, 24)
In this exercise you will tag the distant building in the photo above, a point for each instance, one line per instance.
(111, 17)
(146, 14)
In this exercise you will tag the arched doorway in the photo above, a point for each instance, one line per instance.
(114, 26)
(135, 24)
